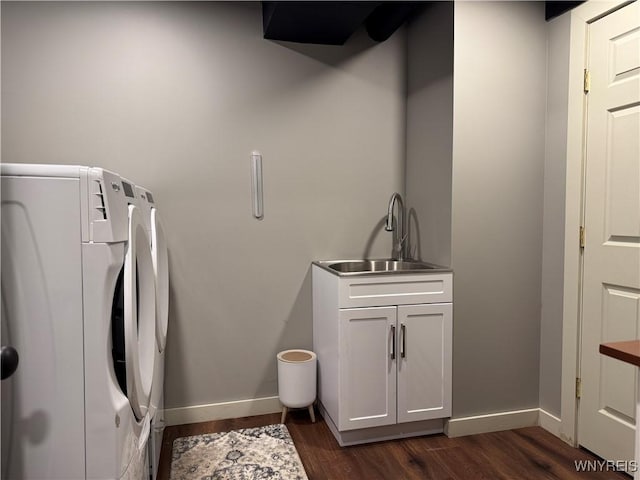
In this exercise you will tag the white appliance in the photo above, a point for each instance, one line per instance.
(78, 298)
(159, 255)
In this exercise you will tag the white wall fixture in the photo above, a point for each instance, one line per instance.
(256, 184)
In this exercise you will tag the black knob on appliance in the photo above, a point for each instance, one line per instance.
(8, 361)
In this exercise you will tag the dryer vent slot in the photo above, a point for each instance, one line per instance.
(100, 212)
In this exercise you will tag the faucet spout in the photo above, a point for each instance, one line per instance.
(392, 201)
(399, 241)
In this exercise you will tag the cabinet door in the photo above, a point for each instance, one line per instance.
(424, 362)
(367, 395)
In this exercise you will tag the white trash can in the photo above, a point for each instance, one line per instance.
(297, 380)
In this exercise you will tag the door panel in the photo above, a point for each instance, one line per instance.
(620, 314)
(367, 371)
(611, 276)
(424, 369)
(622, 214)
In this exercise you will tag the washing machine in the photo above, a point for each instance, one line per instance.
(78, 305)
(146, 202)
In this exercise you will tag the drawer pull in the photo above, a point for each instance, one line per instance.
(393, 342)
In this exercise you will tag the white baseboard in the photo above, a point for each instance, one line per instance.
(493, 422)
(219, 411)
(455, 427)
(550, 423)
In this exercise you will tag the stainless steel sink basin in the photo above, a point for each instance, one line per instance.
(377, 266)
(367, 267)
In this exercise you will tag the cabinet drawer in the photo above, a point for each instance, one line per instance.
(395, 290)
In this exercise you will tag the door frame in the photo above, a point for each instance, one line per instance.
(580, 18)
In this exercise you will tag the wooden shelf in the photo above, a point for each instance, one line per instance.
(628, 351)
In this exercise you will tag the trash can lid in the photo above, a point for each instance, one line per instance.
(295, 356)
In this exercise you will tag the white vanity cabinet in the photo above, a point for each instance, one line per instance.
(384, 347)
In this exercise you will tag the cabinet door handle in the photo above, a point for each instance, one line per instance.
(403, 331)
(393, 342)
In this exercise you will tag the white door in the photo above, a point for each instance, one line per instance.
(611, 278)
(139, 315)
(424, 363)
(161, 274)
(160, 258)
(367, 367)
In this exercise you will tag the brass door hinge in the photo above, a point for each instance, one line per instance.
(586, 81)
(578, 387)
(581, 238)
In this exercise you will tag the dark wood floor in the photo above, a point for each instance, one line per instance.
(526, 453)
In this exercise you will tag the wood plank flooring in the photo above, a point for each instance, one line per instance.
(526, 453)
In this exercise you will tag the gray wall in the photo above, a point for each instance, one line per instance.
(558, 41)
(498, 159)
(430, 132)
(175, 96)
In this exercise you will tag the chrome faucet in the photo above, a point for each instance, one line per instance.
(401, 234)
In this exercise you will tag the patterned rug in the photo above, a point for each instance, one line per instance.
(250, 453)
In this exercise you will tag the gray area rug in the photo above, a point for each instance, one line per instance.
(250, 453)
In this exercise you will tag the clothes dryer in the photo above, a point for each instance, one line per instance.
(161, 269)
(77, 276)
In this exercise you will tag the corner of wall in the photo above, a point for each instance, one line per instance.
(429, 132)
